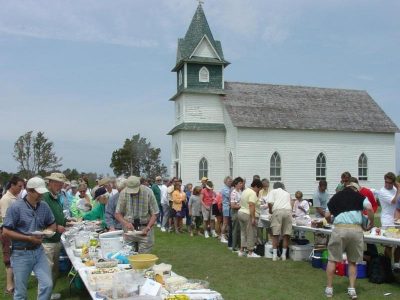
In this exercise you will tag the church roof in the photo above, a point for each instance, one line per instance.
(197, 30)
(296, 107)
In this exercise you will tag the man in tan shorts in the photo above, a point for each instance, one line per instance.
(347, 235)
(281, 221)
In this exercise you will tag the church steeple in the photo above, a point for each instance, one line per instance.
(200, 60)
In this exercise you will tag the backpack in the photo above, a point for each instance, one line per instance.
(380, 270)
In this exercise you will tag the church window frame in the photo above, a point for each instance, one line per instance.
(204, 75)
(203, 168)
(180, 78)
(275, 168)
(320, 167)
(363, 167)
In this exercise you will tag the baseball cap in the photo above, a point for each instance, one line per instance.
(132, 184)
(37, 184)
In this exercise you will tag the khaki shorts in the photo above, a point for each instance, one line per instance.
(346, 239)
(207, 213)
(281, 222)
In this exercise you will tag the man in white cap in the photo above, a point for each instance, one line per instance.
(52, 246)
(23, 218)
(137, 210)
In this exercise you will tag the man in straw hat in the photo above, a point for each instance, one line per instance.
(137, 210)
(52, 246)
(23, 218)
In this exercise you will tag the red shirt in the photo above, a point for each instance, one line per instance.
(366, 192)
(208, 196)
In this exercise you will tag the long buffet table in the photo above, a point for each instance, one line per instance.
(368, 238)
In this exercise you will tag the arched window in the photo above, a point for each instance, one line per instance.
(180, 77)
(204, 75)
(230, 164)
(203, 168)
(321, 167)
(275, 167)
(363, 167)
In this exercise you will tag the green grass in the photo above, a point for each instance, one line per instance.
(239, 277)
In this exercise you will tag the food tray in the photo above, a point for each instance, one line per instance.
(106, 264)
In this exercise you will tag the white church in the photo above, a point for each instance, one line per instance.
(294, 134)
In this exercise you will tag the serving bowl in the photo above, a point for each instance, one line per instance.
(142, 261)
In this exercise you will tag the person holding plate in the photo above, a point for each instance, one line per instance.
(23, 218)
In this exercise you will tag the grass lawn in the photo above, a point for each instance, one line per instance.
(239, 277)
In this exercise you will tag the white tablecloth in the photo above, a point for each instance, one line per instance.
(372, 239)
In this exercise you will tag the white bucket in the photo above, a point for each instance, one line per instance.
(110, 242)
(268, 250)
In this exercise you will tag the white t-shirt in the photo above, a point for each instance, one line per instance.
(385, 197)
(301, 204)
(163, 194)
(280, 199)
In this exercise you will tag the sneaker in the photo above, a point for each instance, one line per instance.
(158, 225)
(206, 234)
(283, 257)
(191, 234)
(229, 248)
(163, 229)
(214, 234)
(224, 240)
(253, 255)
(329, 292)
(352, 293)
(55, 296)
(275, 258)
(242, 254)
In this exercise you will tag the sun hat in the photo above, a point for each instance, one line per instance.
(132, 184)
(59, 177)
(204, 178)
(37, 184)
(104, 181)
(74, 184)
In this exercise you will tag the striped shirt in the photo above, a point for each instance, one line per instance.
(23, 218)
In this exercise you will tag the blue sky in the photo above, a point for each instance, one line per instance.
(92, 73)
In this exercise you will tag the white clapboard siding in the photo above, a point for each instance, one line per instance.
(199, 108)
(199, 144)
(230, 142)
(299, 151)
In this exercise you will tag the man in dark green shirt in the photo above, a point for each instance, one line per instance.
(52, 246)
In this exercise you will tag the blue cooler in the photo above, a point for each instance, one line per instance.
(361, 270)
(64, 264)
(316, 259)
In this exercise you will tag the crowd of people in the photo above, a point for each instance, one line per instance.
(243, 217)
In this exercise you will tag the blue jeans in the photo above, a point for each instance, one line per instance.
(23, 263)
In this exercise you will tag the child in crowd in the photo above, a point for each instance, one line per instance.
(301, 209)
(195, 211)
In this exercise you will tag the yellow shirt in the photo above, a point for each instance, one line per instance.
(5, 203)
(177, 198)
(249, 196)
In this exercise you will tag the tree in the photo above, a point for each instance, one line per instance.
(137, 157)
(35, 154)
